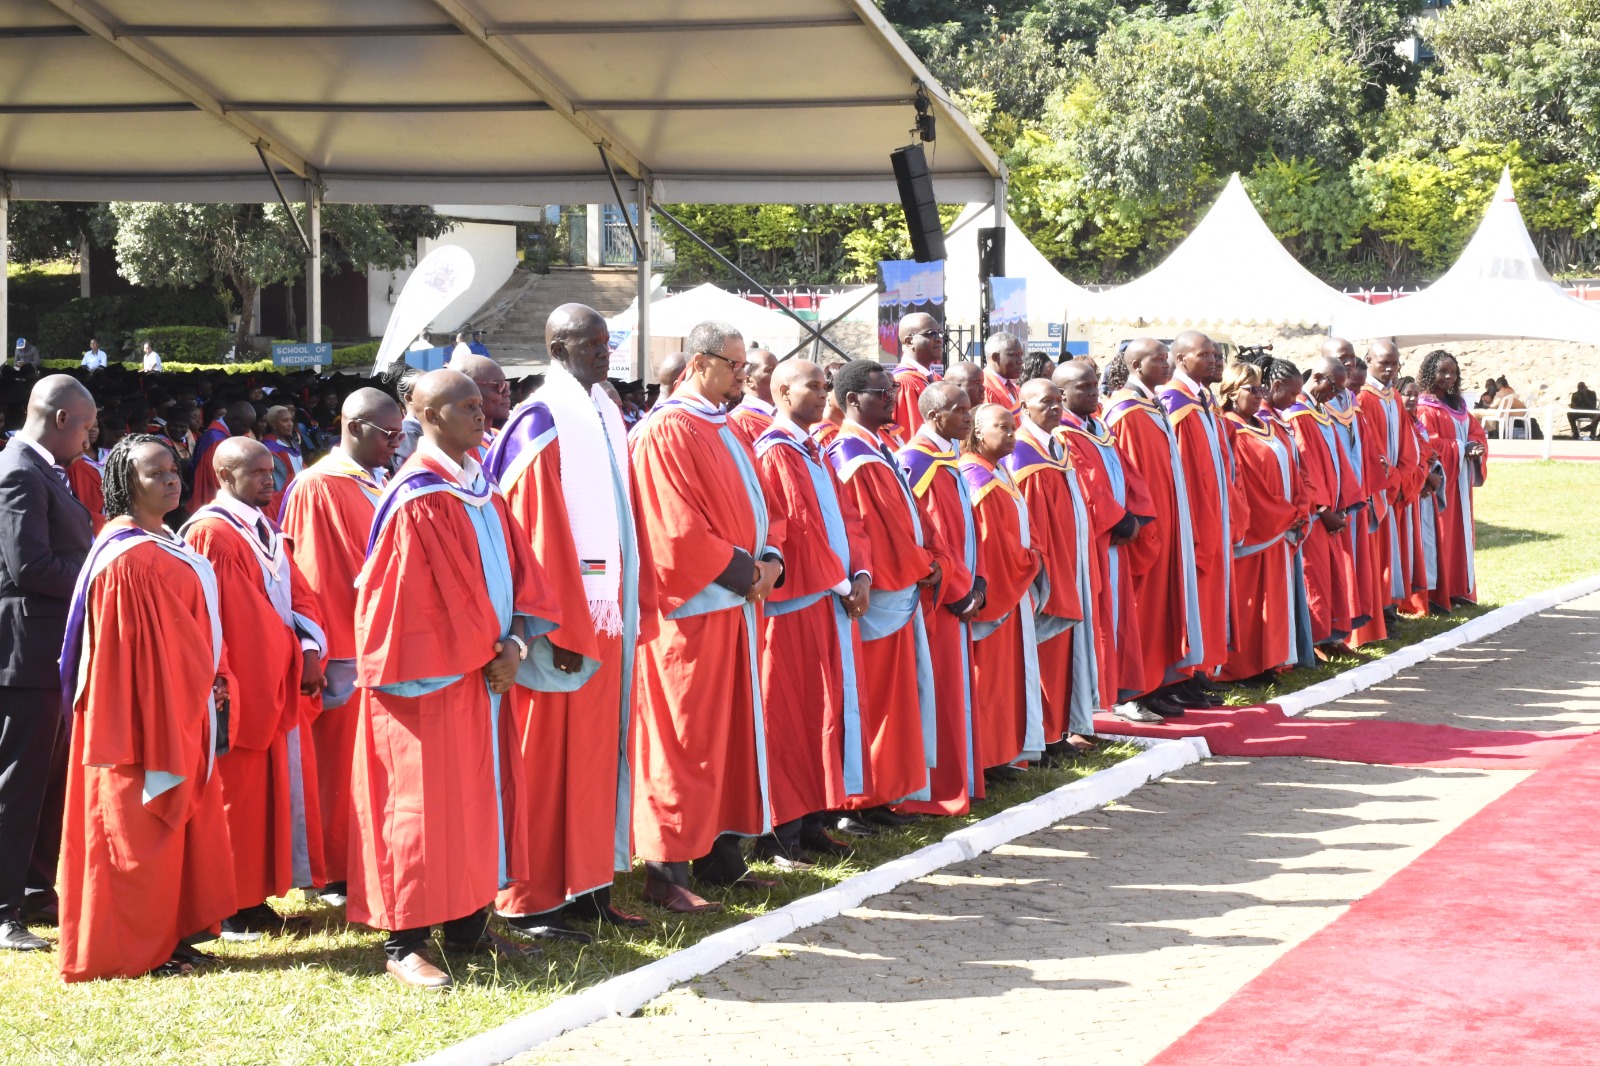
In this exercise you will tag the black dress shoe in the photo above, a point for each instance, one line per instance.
(14, 936)
(546, 927)
(820, 843)
(999, 775)
(605, 915)
(885, 817)
(1162, 706)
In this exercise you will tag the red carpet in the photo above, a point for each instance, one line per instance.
(1481, 951)
(1266, 730)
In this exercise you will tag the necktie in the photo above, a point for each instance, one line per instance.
(62, 474)
(813, 451)
(1055, 449)
(266, 534)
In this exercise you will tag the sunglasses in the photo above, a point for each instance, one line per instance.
(892, 390)
(393, 436)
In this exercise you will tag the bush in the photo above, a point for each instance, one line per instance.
(356, 355)
(185, 344)
(113, 320)
(68, 329)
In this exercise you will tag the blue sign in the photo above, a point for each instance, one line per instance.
(1047, 347)
(1055, 330)
(427, 358)
(302, 355)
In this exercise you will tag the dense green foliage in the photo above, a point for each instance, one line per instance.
(184, 344)
(1120, 121)
(112, 320)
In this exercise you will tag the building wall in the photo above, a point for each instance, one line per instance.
(493, 247)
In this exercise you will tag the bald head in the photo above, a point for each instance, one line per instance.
(761, 362)
(60, 414)
(1327, 378)
(968, 376)
(239, 417)
(1340, 349)
(370, 427)
(1073, 372)
(916, 342)
(1148, 362)
(1384, 358)
(947, 409)
(491, 382)
(244, 471)
(669, 370)
(1190, 340)
(1041, 403)
(787, 373)
(437, 388)
(800, 392)
(577, 338)
(368, 403)
(1080, 387)
(236, 452)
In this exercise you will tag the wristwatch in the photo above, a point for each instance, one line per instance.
(522, 647)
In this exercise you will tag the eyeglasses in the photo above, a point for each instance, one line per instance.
(496, 386)
(1254, 390)
(936, 334)
(738, 368)
(892, 390)
(393, 436)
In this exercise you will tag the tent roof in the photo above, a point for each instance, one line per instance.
(1050, 295)
(675, 316)
(1498, 288)
(467, 101)
(1231, 269)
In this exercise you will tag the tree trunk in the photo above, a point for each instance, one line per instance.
(247, 307)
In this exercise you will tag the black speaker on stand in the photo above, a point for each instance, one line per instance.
(911, 174)
(991, 264)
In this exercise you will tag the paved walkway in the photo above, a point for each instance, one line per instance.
(1101, 940)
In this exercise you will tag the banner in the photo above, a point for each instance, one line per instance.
(1008, 307)
(443, 274)
(904, 286)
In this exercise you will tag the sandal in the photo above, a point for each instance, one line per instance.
(172, 968)
(193, 956)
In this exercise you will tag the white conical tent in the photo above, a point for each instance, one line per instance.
(1231, 269)
(1051, 297)
(1498, 288)
(675, 316)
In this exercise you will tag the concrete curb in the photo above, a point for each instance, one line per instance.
(626, 993)
(1368, 674)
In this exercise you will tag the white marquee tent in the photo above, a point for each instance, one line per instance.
(675, 316)
(1051, 297)
(1231, 269)
(1498, 288)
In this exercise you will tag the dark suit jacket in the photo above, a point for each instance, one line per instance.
(45, 535)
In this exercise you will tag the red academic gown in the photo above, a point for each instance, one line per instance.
(327, 518)
(287, 464)
(137, 876)
(1450, 431)
(269, 773)
(950, 531)
(1366, 601)
(913, 380)
(1263, 565)
(1383, 412)
(206, 484)
(1330, 483)
(891, 701)
(83, 476)
(1162, 555)
(699, 745)
(1004, 625)
(1053, 530)
(1208, 477)
(574, 811)
(1112, 491)
(436, 784)
(750, 419)
(811, 698)
(1003, 391)
(1414, 512)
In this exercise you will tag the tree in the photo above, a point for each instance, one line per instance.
(40, 231)
(249, 246)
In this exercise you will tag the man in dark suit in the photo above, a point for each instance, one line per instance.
(44, 538)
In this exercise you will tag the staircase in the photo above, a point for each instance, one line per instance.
(514, 324)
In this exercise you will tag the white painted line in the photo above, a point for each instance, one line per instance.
(624, 994)
(1368, 674)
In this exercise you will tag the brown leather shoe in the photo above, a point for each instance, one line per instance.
(677, 899)
(494, 943)
(752, 883)
(416, 970)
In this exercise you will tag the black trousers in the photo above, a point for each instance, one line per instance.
(464, 931)
(722, 865)
(33, 784)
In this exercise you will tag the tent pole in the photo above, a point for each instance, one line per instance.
(5, 287)
(313, 264)
(748, 280)
(646, 243)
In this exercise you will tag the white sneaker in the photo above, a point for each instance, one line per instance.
(1132, 712)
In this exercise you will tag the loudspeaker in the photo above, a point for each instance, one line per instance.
(916, 196)
(992, 252)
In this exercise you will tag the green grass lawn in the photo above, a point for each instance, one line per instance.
(322, 997)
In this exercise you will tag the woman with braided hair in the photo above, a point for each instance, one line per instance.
(145, 861)
(1463, 451)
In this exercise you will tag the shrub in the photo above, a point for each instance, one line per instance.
(356, 355)
(185, 344)
(114, 320)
